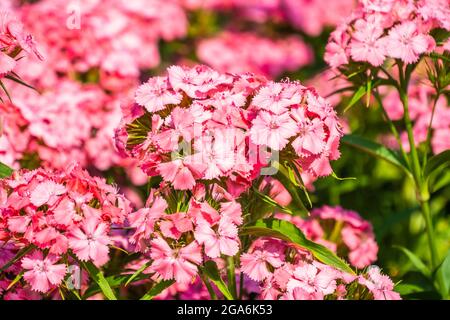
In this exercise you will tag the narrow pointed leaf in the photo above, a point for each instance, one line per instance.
(157, 289)
(415, 260)
(212, 272)
(376, 150)
(99, 278)
(437, 162)
(5, 171)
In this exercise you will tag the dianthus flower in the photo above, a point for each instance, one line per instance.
(340, 230)
(176, 240)
(246, 52)
(388, 29)
(116, 38)
(59, 213)
(285, 272)
(223, 126)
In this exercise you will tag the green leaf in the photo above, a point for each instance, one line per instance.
(19, 81)
(114, 282)
(271, 202)
(376, 150)
(415, 260)
(17, 257)
(16, 279)
(212, 272)
(99, 278)
(437, 162)
(157, 289)
(297, 191)
(137, 273)
(287, 231)
(5, 171)
(356, 97)
(445, 269)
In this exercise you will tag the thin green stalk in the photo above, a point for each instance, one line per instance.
(231, 276)
(241, 285)
(415, 163)
(211, 291)
(422, 194)
(392, 128)
(428, 141)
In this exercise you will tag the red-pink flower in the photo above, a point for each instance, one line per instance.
(405, 42)
(224, 240)
(42, 273)
(179, 264)
(380, 285)
(90, 241)
(311, 134)
(154, 95)
(367, 43)
(311, 279)
(272, 130)
(256, 264)
(46, 192)
(276, 97)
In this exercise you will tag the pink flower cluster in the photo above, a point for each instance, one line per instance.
(70, 122)
(58, 213)
(421, 102)
(197, 124)
(175, 241)
(342, 231)
(117, 38)
(13, 41)
(378, 30)
(289, 273)
(309, 16)
(246, 52)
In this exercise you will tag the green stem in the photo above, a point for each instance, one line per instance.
(211, 291)
(422, 194)
(428, 141)
(231, 276)
(415, 163)
(392, 127)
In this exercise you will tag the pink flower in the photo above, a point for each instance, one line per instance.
(380, 285)
(311, 279)
(336, 49)
(276, 97)
(224, 240)
(311, 138)
(405, 42)
(196, 81)
(90, 241)
(154, 95)
(64, 213)
(179, 264)
(46, 192)
(367, 44)
(272, 130)
(174, 225)
(43, 274)
(144, 221)
(7, 64)
(181, 126)
(178, 174)
(255, 264)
